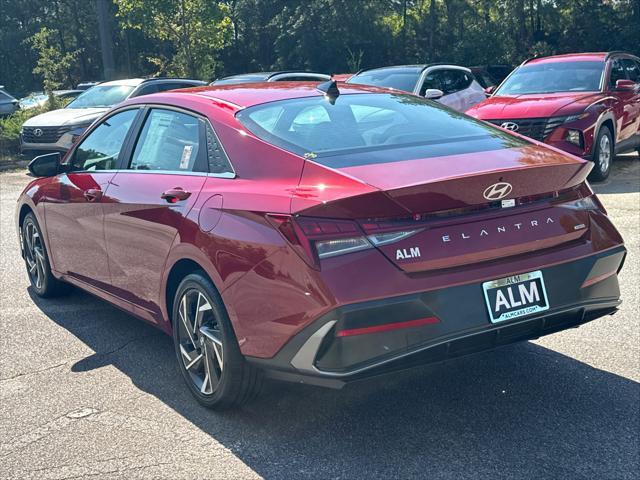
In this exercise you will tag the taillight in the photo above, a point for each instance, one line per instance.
(385, 238)
(316, 239)
(340, 246)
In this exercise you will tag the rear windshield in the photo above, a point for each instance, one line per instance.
(360, 129)
(398, 78)
(553, 77)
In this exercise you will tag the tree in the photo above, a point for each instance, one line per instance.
(196, 29)
(106, 38)
(53, 64)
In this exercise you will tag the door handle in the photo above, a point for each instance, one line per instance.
(92, 194)
(175, 194)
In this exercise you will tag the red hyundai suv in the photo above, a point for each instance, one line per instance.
(318, 233)
(587, 104)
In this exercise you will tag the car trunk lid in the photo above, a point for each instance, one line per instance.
(451, 205)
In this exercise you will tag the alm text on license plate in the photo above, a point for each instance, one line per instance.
(515, 296)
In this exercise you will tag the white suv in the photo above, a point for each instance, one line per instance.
(58, 129)
(451, 85)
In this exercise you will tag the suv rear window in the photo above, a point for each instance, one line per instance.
(370, 128)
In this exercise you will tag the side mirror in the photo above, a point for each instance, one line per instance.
(625, 85)
(433, 93)
(489, 90)
(45, 165)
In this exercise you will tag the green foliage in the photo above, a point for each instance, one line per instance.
(209, 38)
(196, 29)
(52, 64)
(11, 125)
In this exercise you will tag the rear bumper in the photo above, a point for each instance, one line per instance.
(579, 291)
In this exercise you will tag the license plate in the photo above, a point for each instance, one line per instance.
(516, 296)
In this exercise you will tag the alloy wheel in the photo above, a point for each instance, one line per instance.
(34, 255)
(604, 154)
(200, 341)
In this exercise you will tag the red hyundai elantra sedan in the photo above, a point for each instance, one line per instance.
(319, 234)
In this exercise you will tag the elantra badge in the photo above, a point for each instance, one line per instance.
(510, 126)
(497, 191)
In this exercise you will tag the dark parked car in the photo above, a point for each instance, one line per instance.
(491, 75)
(585, 103)
(58, 129)
(8, 104)
(318, 234)
(284, 76)
(450, 85)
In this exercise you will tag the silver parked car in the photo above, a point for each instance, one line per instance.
(8, 104)
(58, 129)
(451, 85)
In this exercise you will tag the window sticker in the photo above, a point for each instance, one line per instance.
(186, 157)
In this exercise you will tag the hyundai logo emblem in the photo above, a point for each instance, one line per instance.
(510, 126)
(497, 191)
(38, 132)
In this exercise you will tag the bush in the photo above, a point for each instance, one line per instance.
(11, 125)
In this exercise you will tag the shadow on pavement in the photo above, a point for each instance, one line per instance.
(523, 411)
(624, 178)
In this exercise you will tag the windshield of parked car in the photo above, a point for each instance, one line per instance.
(102, 96)
(554, 77)
(360, 129)
(404, 79)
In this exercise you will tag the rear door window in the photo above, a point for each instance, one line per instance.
(163, 87)
(170, 141)
(147, 90)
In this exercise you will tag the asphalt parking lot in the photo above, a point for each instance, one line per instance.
(86, 391)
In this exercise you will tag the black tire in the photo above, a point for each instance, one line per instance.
(36, 258)
(602, 159)
(232, 381)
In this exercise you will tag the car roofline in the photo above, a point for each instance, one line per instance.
(421, 66)
(169, 79)
(215, 93)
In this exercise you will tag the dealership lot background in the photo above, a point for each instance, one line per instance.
(87, 391)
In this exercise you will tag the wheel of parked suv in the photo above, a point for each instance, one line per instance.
(37, 260)
(206, 347)
(603, 153)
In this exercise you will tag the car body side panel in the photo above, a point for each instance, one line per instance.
(75, 225)
(140, 228)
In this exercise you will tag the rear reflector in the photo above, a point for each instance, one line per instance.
(599, 278)
(387, 327)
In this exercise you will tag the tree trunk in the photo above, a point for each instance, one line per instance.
(522, 27)
(106, 38)
(433, 21)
